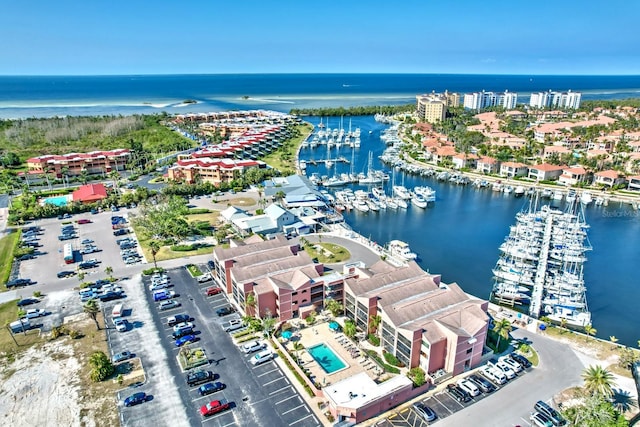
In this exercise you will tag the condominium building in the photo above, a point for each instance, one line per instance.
(74, 164)
(550, 99)
(433, 107)
(215, 171)
(480, 100)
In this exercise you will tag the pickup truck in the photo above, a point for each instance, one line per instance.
(214, 407)
(199, 377)
(232, 325)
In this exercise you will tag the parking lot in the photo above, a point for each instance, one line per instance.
(259, 395)
(444, 406)
(49, 259)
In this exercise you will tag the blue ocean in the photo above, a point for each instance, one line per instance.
(457, 238)
(46, 96)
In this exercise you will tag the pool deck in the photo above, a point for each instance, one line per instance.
(320, 333)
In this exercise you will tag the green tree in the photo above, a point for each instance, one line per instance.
(297, 346)
(268, 324)
(154, 247)
(109, 271)
(350, 329)
(502, 327)
(101, 366)
(598, 381)
(590, 331)
(594, 411)
(92, 309)
(374, 322)
(335, 307)
(250, 303)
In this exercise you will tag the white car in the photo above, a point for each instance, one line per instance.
(183, 325)
(35, 312)
(121, 324)
(515, 366)
(204, 278)
(167, 305)
(506, 370)
(494, 374)
(253, 346)
(156, 286)
(263, 356)
(469, 387)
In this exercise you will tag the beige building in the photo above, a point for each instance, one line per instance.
(433, 107)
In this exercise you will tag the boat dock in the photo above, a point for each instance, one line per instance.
(541, 272)
(329, 161)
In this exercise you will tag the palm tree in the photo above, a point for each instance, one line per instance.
(297, 346)
(613, 340)
(154, 247)
(250, 303)
(92, 309)
(590, 331)
(598, 381)
(374, 322)
(109, 271)
(563, 323)
(350, 329)
(502, 328)
(268, 323)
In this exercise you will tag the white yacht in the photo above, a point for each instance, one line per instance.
(401, 192)
(401, 249)
(418, 201)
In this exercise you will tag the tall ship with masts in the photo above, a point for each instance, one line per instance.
(540, 268)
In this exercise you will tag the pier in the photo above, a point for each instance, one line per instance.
(541, 271)
(329, 161)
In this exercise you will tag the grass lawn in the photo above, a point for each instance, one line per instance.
(331, 253)
(211, 217)
(194, 270)
(7, 246)
(8, 314)
(242, 202)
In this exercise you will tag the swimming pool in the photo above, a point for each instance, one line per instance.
(327, 358)
(56, 200)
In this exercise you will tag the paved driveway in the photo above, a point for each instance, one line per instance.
(357, 250)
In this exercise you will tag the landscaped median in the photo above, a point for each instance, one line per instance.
(191, 357)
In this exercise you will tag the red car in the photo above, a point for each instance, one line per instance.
(84, 221)
(214, 407)
(214, 290)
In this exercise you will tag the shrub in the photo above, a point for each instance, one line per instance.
(184, 248)
(74, 334)
(196, 211)
(37, 294)
(391, 359)
(296, 374)
(151, 271)
(310, 319)
(101, 366)
(56, 331)
(380, 362)
(120, 379)
(374, 339)
(85, 285)
(417, 376)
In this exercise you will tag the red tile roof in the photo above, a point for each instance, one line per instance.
(90, 193)
(546, 167)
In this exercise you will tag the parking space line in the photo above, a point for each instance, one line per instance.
(271, 382)
(230, 424)
(280, 391)
(213, 417)
(219, 305)
(291, 410)
(265, 373)
(301, 419)
(290, 397)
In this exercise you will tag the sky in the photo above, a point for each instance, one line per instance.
(70, 37)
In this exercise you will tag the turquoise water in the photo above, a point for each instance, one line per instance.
(326, 358)
(57, 200)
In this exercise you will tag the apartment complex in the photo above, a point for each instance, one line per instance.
(550, 99)
(215, 171)
(480, 100)
(74, 164)
(432, 107)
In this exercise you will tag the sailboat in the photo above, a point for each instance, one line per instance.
(372, 177)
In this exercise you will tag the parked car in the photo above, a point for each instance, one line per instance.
(457, 393)
(494, 374)
(25, 257)
(211, 265)
(178, 318)
(84, 221)
(554, 416)
(121, 324)
(167, 305)
(253, 346)
(183, 325)
(86, 241)
(483, 384)
(204, 278)
(122, 356)
(199, 377)
(263, 356)
(85, 265)
(27, 301)
(523, 361)
(225, 311)
(66, 273)
(185, 339)
(35, 312)
(233, 325)
(506, 369)
(121, 232)
(209, 388)
(110, 296)
(515, 366)
(468, 386)
(214, 407)
(15, 283)
(135, 399)
(424, 411)
(213, 290)
(539, 419)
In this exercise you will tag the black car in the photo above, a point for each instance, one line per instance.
(66, 273)
(66, 237)
(86, 265)
(457, 393)
(18, 282)
(209, 388)
(224, 311)
(178, 318)
(135, 399)
(110, 296)
(27, 301)
(199, 377)
(482, 383)
(211, 265)
(521, 360)
(121, 232)
(26, 257)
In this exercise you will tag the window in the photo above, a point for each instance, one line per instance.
(469, 350)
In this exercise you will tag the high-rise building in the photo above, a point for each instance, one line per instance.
(480, 100)
(433, 107)
(552, 99)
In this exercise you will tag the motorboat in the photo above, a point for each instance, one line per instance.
(418, 201)
(401, 249)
